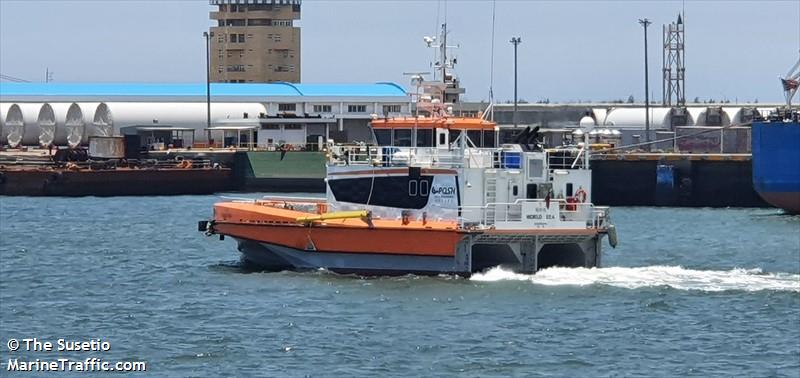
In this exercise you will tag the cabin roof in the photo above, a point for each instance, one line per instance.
(456, 123)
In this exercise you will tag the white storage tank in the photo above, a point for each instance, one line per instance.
(103, 121)
(3, 132)
(47, 125)
(180, 114)
(60, 110)
(19, 123)
(75, 126)
(636, 117)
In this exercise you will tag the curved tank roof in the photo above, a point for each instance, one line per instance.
(171, 91)
(635, 117)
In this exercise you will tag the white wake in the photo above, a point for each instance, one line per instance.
(649, 276)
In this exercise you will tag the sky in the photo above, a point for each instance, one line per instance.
(570, 50)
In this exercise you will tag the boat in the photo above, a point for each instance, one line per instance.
(448, 206)
(432, 194)
(776, 151)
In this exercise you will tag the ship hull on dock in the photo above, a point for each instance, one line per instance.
(776, 164)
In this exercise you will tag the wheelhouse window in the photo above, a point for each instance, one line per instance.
(475, 137)
(383, 137)
(402, 137)
(488, 139)
(454, 134)
(424, 137)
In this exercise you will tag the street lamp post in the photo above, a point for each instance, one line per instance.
(208, 37)
(645, 23)
(515, 41)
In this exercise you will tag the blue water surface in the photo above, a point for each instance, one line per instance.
(689, 292)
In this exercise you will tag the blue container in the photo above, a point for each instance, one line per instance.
(665, 177)
(665, 185)
(512, 160)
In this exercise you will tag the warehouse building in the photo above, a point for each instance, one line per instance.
(262, 115)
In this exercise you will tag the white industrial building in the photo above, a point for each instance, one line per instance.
(262, 114)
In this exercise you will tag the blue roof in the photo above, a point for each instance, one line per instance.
(199, 89)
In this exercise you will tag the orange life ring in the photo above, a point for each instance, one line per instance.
(580, 195)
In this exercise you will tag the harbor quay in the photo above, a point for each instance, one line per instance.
(621, 179)
(272, 137)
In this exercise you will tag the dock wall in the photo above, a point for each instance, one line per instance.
(680, 182)
(617, 180)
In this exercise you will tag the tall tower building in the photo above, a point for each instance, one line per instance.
(255, 41)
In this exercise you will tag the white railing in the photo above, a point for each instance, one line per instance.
(562, 161)
(566, 214)
(391, 156)
(472, 157)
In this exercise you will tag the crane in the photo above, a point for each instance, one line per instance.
(791, 82)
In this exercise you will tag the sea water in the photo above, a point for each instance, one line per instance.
(695, 292)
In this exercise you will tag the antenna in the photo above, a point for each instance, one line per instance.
(491, 65)
(445, 11)
(444, 63)
(48, 75)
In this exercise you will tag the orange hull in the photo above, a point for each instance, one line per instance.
(267, 224)
(274, 236)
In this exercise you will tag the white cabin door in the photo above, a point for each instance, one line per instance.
(442, 138)
(501, 198)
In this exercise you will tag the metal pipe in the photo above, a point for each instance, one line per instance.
(515, 41)
(645, 23)
(208, 36)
